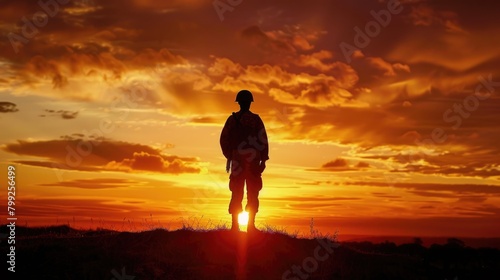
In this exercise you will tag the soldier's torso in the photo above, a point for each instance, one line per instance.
(245, 136)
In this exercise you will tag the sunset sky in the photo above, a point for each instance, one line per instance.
(111, 112)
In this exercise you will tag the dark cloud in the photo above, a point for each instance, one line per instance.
(341, 164)
(64, 114)
(8, 107)
(72, 152)
(362, 164)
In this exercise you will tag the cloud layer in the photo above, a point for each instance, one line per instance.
(417, 101)
(86, 154)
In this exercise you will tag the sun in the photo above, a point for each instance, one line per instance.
(243, 218)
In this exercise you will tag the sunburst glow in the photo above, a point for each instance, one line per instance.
(243, 218)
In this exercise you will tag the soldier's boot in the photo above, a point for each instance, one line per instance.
(235, 225)
(251, 222)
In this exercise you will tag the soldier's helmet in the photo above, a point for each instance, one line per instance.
(244, 96)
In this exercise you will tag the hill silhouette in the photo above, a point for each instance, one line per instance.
(61, 252)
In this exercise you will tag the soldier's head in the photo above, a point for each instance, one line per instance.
(244, 99)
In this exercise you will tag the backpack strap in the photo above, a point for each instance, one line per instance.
(237, 118)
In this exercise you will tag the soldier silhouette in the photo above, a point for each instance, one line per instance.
(244, 143)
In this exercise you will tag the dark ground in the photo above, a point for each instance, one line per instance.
(63, 253)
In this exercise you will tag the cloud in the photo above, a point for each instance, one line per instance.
(315, 60)
(49, 210)
(387, 68)
(156, 163)
(407, 104)
(224, 67)
(310, 199)
(341, 164)
(208, 120)
(362, 164)
(466, 169)
(8, 107)
(386, 195)
(93, 60)
(91, 184)
(233, 85)
(289, 87)
(315, 91)
(425, 15)
(87, 154)
(427, 159)
(456, 189)
(59, 165)
(269, 42)
(64, 114)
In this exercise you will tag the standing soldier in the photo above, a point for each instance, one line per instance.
(244, 144)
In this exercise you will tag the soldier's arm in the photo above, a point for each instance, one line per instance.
(263, 139)
(225, 139)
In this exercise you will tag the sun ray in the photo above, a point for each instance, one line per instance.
(243, 218)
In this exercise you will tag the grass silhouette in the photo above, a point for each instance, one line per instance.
(205, 249)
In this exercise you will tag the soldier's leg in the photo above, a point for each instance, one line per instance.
(236, 185)
(254, 185)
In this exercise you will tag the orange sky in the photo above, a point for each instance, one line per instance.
(111, 112)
